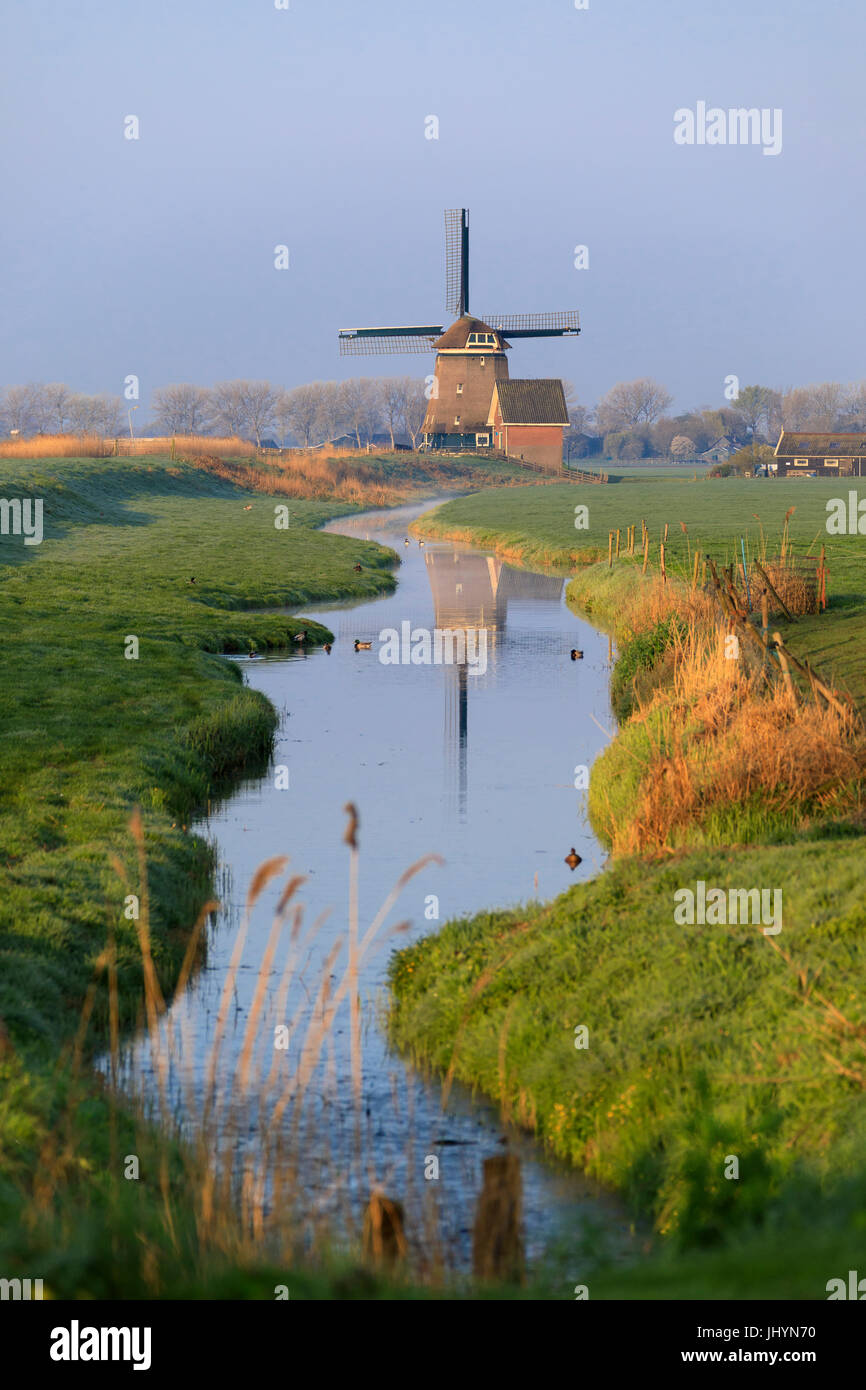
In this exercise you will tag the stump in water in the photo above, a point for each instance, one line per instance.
(497, 1242)
(384, 1236)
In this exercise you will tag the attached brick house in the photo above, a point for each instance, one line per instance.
(528, 419)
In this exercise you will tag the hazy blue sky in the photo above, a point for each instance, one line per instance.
(261, 126)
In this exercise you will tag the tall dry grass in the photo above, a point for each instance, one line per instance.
(713, 732)
(265, 1170)
(95, 446)
(723, 733)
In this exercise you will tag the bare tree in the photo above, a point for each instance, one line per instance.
(363, 411)
(259, 403)
(631, 403)
(298, 412)
(331, 418)
(183, 409)
(393, 401)
(19, 409)
(102, 415)
(414, 408)
(817, 408)
(230, 407)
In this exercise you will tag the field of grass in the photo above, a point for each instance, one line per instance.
(703, 1041)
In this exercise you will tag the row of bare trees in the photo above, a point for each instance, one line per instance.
(630, 421)
(55, 409)
(307, 415)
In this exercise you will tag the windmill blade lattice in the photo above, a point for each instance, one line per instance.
(558, 324)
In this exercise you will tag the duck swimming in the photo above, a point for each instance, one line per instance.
(572, 859)
(576, 655)
(362, 646)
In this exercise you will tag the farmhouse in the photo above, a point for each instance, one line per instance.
(830, 455)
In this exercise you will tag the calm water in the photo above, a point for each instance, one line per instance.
(475, 767)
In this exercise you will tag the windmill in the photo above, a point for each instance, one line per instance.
(470, 360)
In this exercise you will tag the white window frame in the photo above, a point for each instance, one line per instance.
(482, 440)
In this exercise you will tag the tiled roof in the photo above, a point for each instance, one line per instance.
(532, 402)
(820, 445)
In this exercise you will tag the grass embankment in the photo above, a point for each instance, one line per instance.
(704, 1041)
(88, 734)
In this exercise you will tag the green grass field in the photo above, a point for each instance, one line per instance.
(704, 1041)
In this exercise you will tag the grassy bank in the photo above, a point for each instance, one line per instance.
(181, 561)
(536, 526)
(706, 1041)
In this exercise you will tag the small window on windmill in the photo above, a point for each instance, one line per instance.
(460, 388)
(481, 360)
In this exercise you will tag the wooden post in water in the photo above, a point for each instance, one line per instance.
(497, 1239)
(384, 1237)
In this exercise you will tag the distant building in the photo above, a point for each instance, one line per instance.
(720, 450)
(829, 455)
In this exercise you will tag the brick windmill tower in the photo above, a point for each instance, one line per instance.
(473, 403)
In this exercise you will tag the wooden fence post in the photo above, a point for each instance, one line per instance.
(783, 662)
(766, 578)
(662, 558)
(609, 549)
(645, 551)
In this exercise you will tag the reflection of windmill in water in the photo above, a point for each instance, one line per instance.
(471, 593)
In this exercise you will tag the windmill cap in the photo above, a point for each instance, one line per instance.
(457, 336)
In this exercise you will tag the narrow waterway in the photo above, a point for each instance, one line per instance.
(475, 763)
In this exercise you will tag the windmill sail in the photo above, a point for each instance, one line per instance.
(564, 323)
(457, 261)
(369, 342)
